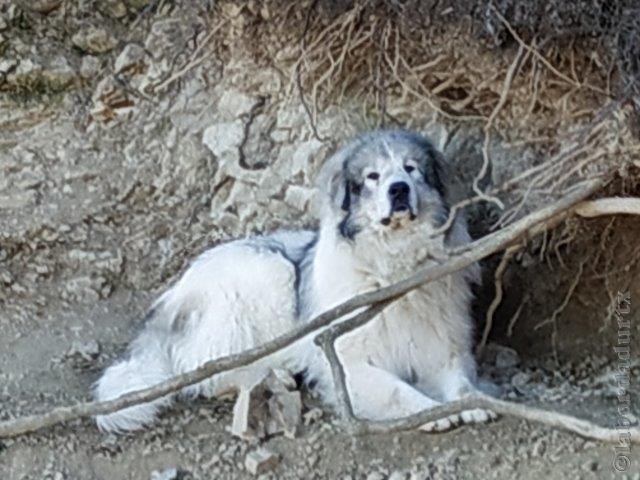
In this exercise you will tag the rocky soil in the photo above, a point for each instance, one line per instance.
(132, 138)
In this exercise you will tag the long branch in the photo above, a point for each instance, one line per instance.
(559, 420)
(466, 256)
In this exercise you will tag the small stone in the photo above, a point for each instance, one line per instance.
(42, 6)
(234, 103)
(94, 40)
(166, 474)
(298, 197)
(224, 138)
(590, 466)
(260, 461)
(520, 380)
(138, 4)
(54, 75)
(539, 448)
(312, 416)
(87, 350)
(270, 407)
(7, 64)
(375, 476)
(42, 269)
(113, 8)
(5, 277)
(130, 60)
(90, 66)
(506, 357)
(398, 475)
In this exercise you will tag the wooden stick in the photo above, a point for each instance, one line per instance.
(464, 257)
(609, 206)
(553, 419)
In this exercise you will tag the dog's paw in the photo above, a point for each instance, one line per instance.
(441, 425)
(477, 415)
(465, 417)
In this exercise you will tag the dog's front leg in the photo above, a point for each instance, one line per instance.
(455, 384)
(377, 394)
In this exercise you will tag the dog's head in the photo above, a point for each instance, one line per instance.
(382, 182)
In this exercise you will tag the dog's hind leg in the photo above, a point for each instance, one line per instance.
(377, 394)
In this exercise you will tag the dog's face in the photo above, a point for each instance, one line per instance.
(385, 181)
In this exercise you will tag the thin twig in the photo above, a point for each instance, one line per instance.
(516, 315)
(497, 299)
(486, 161)
(326, 340)
(539, 56)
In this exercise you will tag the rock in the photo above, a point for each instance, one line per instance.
(54, 75)
(138, 4)
(520, 380)
(261, 461)
(88, 351)
(58, 72)
(131, 60)
(224, 138)
(398, 475)
(41, 6)
(113, 8)
(166, 37)
(5, 277)
(298, 197)
(305, 154)
(375, 476)
(90, 66)
(86, 288)
(241, 414)
(170, 474)
(110, 101)
(82, 355)
(94, 40)
(506, 357)
(271, 407)
(17, 200)
(312, 416)
(234, 103)
(7, 64)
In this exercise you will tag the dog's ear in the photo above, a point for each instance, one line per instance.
(435, 171)
(334, 189)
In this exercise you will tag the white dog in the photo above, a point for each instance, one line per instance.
(381, 197)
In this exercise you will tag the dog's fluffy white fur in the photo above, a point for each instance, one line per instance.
(380, 199)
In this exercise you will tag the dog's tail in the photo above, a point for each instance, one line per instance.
(146, 364)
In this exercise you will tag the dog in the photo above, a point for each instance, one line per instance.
(381, 200)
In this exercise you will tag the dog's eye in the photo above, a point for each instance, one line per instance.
(373, 176)
(409, 168)
(355, 189)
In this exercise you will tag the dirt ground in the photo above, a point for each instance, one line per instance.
(107, 191)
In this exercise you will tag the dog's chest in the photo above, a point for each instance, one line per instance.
(416, 334)
(419, 318)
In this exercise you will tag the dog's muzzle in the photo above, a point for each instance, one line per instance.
(400, 204)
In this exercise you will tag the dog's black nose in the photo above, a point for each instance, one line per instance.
(399, 194)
